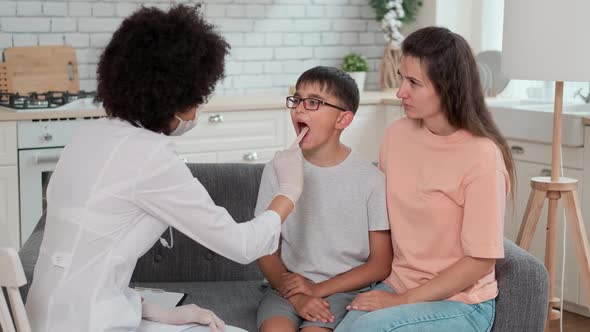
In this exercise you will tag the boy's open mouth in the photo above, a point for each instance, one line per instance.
(299, 127)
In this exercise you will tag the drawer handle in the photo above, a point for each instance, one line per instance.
(517, 149)
(47, 137)
(545, 172)
(252, 156)
(217, 118)
(44, 159)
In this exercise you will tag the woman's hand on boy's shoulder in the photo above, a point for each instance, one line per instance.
(294, 283)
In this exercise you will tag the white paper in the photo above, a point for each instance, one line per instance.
(170, 300)
(149, 326)
(162, 298)
(201, 328)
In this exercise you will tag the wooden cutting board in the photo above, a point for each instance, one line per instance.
(39, 69)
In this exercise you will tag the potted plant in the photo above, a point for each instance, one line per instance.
(356, 66)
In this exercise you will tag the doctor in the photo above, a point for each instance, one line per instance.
(119, 185)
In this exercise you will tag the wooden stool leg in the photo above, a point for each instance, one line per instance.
(550, 242)
(530, 218)
(578, 232)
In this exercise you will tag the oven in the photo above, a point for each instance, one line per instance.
(40, 143)
(35, 168)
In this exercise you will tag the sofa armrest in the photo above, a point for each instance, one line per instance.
(523, 282)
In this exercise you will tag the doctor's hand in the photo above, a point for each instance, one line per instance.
(294, 283)
(186, 314)
(288, 165)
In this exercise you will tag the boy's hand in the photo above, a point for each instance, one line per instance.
(294, 283)
(312, 308)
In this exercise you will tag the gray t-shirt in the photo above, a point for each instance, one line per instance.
(328, 232)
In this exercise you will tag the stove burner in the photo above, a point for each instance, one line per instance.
(34, 100)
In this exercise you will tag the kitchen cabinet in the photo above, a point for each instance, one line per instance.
(256, 155)
(9, 209)
(8, 145)
(240, 136)
(199, 157)
(533, 160)
(255, 136)
(365, 132)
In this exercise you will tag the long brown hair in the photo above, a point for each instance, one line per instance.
(451, 67)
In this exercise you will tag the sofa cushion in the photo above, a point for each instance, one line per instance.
(233, 186)
(235, 302)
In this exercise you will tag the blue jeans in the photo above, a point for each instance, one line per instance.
(426, 316)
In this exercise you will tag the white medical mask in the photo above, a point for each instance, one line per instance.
(184, 126)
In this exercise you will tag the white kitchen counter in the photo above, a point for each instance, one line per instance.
(247, 102)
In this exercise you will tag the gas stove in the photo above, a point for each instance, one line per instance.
(43, 101)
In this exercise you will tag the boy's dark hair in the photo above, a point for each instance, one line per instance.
(335, 82)
(159, 63)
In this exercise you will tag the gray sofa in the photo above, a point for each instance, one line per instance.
(233, 290)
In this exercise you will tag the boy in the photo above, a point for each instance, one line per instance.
(337, 240)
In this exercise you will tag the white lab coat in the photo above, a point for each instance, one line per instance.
(115, 190)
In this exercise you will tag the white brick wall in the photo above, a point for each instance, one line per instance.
(7, 8)
(273, 41)
(29, 8)
(55, 9)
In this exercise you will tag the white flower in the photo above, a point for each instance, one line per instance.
(391, 22)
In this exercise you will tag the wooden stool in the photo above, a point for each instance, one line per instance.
(544, 187)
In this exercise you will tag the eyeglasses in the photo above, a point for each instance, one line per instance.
(310, 104)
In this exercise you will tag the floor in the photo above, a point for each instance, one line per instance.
(572, 323)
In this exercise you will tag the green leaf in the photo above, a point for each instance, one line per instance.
(354, 62)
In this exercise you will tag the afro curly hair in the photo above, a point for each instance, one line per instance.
(159, 63)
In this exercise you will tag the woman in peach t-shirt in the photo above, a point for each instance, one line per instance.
(448, 173)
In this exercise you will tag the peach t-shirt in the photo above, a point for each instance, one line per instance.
(446, 197)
